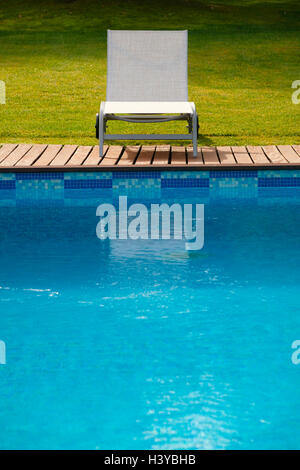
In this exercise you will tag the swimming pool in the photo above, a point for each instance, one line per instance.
(123, 344)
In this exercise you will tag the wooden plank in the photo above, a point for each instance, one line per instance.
(289, 153)
(210, 156)
(94, 159)
(226, 156)
(79, 156)
(178, 156)
(6, 149)
(296, 148)
(161, 156)
(257, 155)
(112, 156)
(198, 160)
(63, 155)
(41, 155)
(15, 155)
(145, 156)
(241, 155)
(274, 155)
(129, 155)
(31, 156)
(47, 157)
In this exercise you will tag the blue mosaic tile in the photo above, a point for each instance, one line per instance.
(278, 173)
(50, 187)
(43, 189)
(278, 182)
(136, 174)
(146, 188)
(232, 183)
(7, 184)
(7, 176)
(88, 183)
(49, 175)
(86, 175)
(184, 174)
(230, 188)
(136, 183)
(185, 182)
(233, 173)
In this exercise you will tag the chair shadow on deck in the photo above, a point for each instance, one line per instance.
(203, 140)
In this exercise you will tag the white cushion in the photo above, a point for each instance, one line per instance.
(147, 107)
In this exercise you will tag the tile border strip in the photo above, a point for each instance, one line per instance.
(81, 184)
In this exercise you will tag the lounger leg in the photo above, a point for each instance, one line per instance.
(101, 130)
(101, 142)
(195, 133)
(195, 140)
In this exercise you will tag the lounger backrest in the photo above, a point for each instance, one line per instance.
(147, 66)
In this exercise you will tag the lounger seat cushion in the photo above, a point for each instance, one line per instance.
(147, 107)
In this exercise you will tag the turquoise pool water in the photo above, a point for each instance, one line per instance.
(143, 345)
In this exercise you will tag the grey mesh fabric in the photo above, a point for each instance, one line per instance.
(147, 66)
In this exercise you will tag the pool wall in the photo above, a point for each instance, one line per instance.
(59, 188)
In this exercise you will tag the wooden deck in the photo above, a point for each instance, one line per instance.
(42, 157)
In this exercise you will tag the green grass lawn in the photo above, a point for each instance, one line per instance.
(243, 58)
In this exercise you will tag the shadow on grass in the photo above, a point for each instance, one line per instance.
(204, 140)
